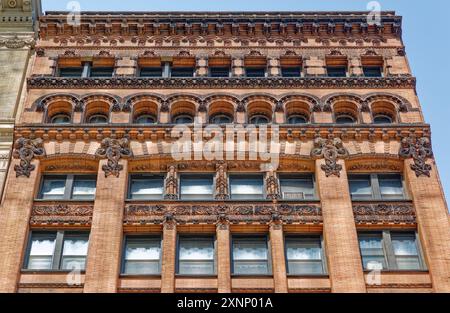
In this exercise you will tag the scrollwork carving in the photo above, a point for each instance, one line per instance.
(26, 150)
(330, 150)
(114, 150)
(419, 149)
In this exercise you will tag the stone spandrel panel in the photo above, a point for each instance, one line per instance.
(13, 65)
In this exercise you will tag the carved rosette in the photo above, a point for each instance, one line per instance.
(114, 150)
(221, 182)
(330, 150)
(26, 150)
(272, 187)
(171, 184)
(419, 149)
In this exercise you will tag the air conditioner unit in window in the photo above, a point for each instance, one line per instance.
(293, 195)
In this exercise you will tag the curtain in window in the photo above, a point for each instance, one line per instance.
(74, 252)
(250, 256)
(41, 252)
(196, 256)
(304, 256)
(372, 252)
(142, 256)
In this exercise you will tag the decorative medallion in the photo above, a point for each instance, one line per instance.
(114, 150)
(26, 150)
(331, 150)
(419, 149)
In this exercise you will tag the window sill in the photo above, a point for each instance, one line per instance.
(65, 200)
(195, 276)
(400, 271)
(308, 276)
(382, 200)
(27, 271)
(155, 276)
(251, 276)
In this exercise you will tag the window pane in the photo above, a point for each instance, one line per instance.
(305, 267)
(147, 188)
(372, 71)
(303, 249)
(372, 251)
(291, 71)
(151, 72)
(102, 72)
(73, 263)
(76, 245)
(196, 249)
(84, 188)
(196, 187)
(251, 268)
(255, 72)
(196, 268)
(182, 72)
(406, 252)
(337, 71)
(53, 188)
(408, 263)
(297, 188)
(360, 187)
(391, 186)
(40, 262)
(246, 188)
(219, 71)
(142, 267)
(41, 251)
(142, 256)
(250, 249)
(71, 72)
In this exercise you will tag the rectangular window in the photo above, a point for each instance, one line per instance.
(254, 72)
(372, 71)
(142, 256)
(57, 251)
(196, 187)
(151, 72)
(247, 187)
(297, 188)
(390, 251)
(304, 256)
(146, 187)
(71, 72)
(219, 72)
(182, 72)
(196, 256)
(68, 187)
(337, 71)
(376, 187)
(291, 71)
(250, 256)
(101, 72)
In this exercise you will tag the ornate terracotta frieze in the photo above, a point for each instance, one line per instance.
(171, 183)
(330, 150)
(25, 150)
(56, 213)
(401, 82)
(419, 149)
(221, 182)
(265, 213)
(114, 150)
(384, 213)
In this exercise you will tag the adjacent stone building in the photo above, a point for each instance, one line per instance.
(327, 182)
(17, 39)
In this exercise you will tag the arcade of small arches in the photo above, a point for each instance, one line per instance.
(150, 109)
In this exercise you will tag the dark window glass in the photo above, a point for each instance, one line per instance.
(151, 72)
(84, 187)
(99, 72)
(196, 256)
(345, 119)
(60, 119)
(68, 187)
(53, 187)
(336, 71)
(71, 72)
(145, 119)
(183, 119)
(360, 187)
(259, 119)
(297, 119)
(142, 256)
(193, 187)
(304, 255)
(182, 72)
(146, 187)
(250, 256)
(98, 119)
(372, 71)
(382, 119)
(291, 71)
(253, 72)
(221, 119)
(219, 71)
(247, 187)
(297, 188)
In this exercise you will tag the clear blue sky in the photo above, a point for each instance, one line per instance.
(426, 32)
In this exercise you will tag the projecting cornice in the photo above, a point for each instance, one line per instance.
(400, 82)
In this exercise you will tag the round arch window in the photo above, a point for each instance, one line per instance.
(145, 119)
(98, 119)
(60, 119)
(345, 119)
(382, 119)
(221, 119)
(259, 119)
(297, 119)
(183, 119)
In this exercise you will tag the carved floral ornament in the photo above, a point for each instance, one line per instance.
(26, 150)
(419, 149)
(114, 150)
(330, 150)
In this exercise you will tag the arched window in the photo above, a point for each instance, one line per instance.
(145, 119)
(183, 119)
(297, 119)
(221, 119)
(60, 119)
(345, 119)
(259, 119)
(98, 119)
(382, 119)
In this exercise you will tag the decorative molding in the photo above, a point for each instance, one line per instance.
(330, 150)
(56, 213)
(402, 82)
(272, 186)
(221, 182)
(171, 183)
(16, 42)
(419, 149)
(26, 150)
(114, 150)
(384, 213)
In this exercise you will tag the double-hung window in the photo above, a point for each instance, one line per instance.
(57, 251)
(248, 187)
(304, 255)
(196, 187)
(68, 187)
(251, 256)
(142, 255)
(390, 250)
(196, 255)
(297, 187)
(377, 187)
(146, 187)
